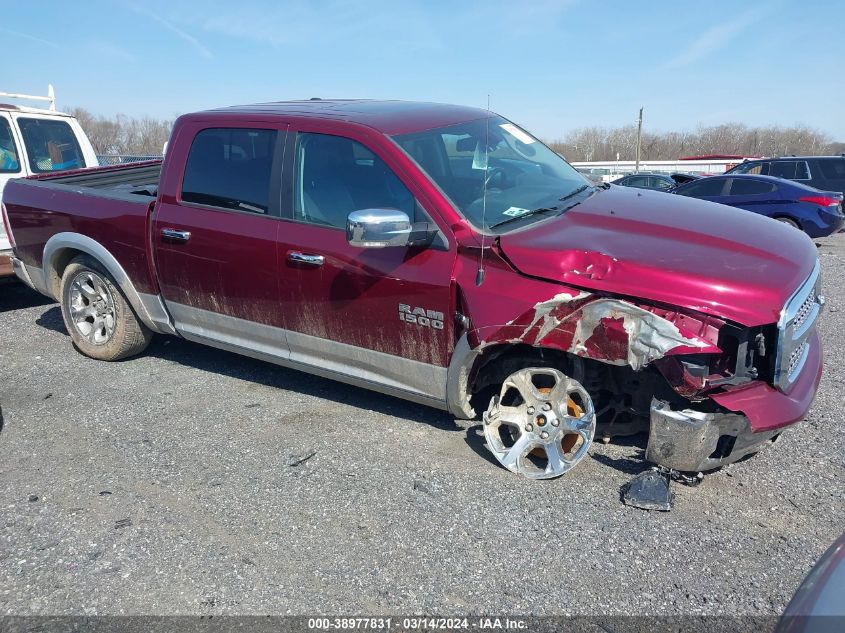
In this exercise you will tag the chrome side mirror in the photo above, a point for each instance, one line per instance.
(378, 228)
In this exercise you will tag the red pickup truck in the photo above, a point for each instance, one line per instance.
(444, 255)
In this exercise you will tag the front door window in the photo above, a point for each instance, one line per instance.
(335, 176)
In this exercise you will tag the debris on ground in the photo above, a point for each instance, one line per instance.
(649, 491)
(301, 460)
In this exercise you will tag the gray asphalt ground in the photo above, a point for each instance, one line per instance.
(194, 481)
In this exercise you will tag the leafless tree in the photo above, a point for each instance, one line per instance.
(597, 143)
(123, 135)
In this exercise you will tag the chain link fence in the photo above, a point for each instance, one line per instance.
(122, 159)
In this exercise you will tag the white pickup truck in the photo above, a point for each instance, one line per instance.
(33, 141)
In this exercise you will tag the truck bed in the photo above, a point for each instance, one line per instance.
(109, 205)
(114, 181)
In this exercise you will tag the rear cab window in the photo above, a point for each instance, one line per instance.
(230, 168)
(50, 144)
(9, 156)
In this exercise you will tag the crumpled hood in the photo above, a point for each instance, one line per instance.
(670, 249)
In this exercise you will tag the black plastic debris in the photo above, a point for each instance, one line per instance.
(649, 491)
(301, 460)
(688, 479)
(122, 523)
(32, 498)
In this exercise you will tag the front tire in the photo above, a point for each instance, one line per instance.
(97, 316)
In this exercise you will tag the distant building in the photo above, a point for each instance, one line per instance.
(708, 164)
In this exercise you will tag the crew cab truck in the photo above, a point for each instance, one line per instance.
(444, 255)
(34, 141)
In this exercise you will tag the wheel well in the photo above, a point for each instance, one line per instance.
(56, 268)
(622, 396)
(499, 361)
(783, 216)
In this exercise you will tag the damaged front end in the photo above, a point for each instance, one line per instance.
(709, 392)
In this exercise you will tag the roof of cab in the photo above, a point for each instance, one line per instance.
(389, 117)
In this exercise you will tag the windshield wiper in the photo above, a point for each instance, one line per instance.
(526, 215)
(574, 193)
(540, 210)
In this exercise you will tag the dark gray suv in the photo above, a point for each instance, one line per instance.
(822, 172)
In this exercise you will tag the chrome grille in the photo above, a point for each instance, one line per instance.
(796, 325)
(804, 311)
(796, 359)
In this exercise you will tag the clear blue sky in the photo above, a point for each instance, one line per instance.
(548, 65)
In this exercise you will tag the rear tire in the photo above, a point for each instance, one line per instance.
(97, 316)
(790, 222)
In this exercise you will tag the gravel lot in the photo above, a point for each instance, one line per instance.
(194, 481)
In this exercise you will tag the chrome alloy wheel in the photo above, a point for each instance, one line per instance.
(92, 307)
(541, 423)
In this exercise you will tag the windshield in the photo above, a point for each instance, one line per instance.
(523, 177)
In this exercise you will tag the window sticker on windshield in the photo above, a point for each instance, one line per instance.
(515, 211)
(518, 134)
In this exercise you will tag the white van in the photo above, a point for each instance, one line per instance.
(34, 141)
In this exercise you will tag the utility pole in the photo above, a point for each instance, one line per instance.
(639, 137)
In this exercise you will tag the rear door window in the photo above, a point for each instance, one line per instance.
(50, 145)
(832, 168)
(9, 159)
(230, 168)
(756, 169)
(706, 187)
(790, 169)
(660, 183)
(748, 187)
(637, 181)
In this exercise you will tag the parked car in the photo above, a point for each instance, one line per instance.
(817, 606)
(646, 180)
(34, 141)
(651, 180)
(826, 173)
(817, 213)
(444, 255)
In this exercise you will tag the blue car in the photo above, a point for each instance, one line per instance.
(817, 213)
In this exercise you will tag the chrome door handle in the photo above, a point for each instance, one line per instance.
(303, 258)
(177, 236)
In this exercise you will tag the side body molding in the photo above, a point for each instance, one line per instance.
(149, 308)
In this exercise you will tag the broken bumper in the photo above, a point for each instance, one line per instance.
(696, 441)
(751, 418)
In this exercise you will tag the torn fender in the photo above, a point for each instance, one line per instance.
(609, 330)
